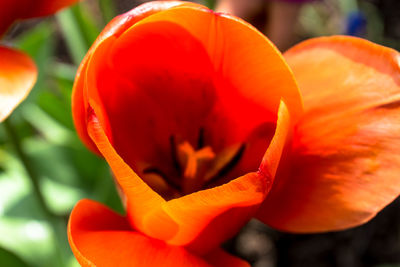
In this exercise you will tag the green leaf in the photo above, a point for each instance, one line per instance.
(57, 108)
(7, 258)
(22, 226)
(86, 22)
(72, 34)
(39, 44)
(209, 3)
(108, 9)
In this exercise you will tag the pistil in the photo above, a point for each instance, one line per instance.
(195, 164)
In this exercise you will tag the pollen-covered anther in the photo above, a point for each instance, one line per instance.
(195, 164)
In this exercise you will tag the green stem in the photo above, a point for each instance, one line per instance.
(34, 178)
(54, 220)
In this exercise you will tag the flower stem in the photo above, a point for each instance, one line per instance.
(53, 219)
(33, 177)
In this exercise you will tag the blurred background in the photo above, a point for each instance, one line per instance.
(45, 170)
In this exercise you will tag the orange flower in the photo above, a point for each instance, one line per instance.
(17, 71)
(197, 111)
(17, 76)
(345, 161)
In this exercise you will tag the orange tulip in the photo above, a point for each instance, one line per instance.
(17, 76)
(17, 71)
(197, 112)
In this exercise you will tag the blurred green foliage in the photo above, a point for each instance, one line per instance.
(43, 124)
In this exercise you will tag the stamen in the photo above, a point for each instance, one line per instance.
(174, 155)
(196, 163)
(169, 181)
(194, 168)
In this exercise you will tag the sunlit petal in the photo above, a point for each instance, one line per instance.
(18, 74)
(346, 162)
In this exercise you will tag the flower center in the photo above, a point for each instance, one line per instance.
(196, 163)
(194, 168)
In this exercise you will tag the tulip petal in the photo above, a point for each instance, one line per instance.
(225, 41)
(141, 198)
(220, 258)
(207, 218)
(279, 143)
(276, 154)
(232, 44)
(115, 28)
(100, 237)
(17, 76)
(345, 160)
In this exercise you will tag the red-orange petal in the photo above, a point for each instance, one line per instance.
(250, 70)
(279, 144)
(345, 160)
(207, 218)
(220, 258)
(141, 198)
(256, 89)
(115, 28)
(100, 237)
(17, 76)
